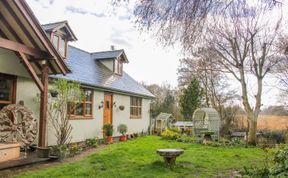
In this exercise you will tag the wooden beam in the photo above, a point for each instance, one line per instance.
(43, 106)
(20, 24)
(18, 47)
(9, 27)
(30, 17)
(31, 71)
(2, 34)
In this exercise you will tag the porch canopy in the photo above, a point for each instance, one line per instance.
(21, 33)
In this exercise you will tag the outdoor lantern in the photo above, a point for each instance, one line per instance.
(101, 105)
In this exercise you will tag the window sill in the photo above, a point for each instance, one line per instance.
(135, 117)
(81, 118)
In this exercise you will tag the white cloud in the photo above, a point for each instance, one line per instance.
(97, 26)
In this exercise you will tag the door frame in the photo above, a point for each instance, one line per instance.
(111, 106)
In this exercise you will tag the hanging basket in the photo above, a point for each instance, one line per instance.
(121, 107)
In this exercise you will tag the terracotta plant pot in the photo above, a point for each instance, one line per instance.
(109, 139)
(123, 138)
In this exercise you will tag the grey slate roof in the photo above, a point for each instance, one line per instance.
(109, 55)
(51, 26)
(164, 116)
(59, 25)
(90, 71)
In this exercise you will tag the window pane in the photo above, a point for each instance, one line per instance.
(71, 107)
(120, 68)
(107, 105)
(116, 66)
(88, 109)
(134, 101)
(5, 89)
(2, 106)
(62, 47)
(55, 41)
(88, 95)
(79, 109)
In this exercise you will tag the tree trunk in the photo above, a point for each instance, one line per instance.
(252, 139)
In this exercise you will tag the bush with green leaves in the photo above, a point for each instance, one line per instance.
(279, 166)
(61, 151)
(170, 134)
(189, 139)
(92, 142)
(274, 137)
(108, 129)
(122, 128)
(74, 149)
(275, 164)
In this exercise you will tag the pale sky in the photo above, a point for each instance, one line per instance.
(98, 26)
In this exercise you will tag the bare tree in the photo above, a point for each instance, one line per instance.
(216, 89)
(244, 41)
(60, 107)
(183, 21)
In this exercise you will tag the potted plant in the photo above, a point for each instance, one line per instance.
(54, 93)
(122, 128)
(108, 132)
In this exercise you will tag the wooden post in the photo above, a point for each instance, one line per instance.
(43, 106)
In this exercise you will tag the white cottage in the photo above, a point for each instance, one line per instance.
(30, 52)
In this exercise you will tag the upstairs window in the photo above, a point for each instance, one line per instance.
(135, 107)
(118, 66)
(7, 90)
(60, 44)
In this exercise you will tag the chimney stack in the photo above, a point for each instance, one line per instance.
(112, 47)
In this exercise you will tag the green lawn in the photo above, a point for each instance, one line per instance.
(138, 158)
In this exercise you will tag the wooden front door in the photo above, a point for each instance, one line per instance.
(107, 119)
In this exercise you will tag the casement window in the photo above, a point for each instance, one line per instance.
(135, 107)
(82, 109)
(7, 90)
(118, 66)
(60, 44)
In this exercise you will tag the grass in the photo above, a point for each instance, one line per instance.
(138, 158)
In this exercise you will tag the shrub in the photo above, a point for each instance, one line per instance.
(75, 149)
(280, 162)
(170, 134)
(92, 142)
(174, 129)
(122, 128)
(274, 137)
(61, 151)
(275, 165)
(108, 129)
(189, 139)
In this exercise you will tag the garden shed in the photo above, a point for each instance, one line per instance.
(164, 121)
(206, 119)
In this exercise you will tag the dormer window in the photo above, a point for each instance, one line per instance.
(60, 44)
(118, 66)
(60, 34)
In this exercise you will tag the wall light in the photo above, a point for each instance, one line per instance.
(101, 105)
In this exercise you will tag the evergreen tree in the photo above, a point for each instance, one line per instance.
(191, 99)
